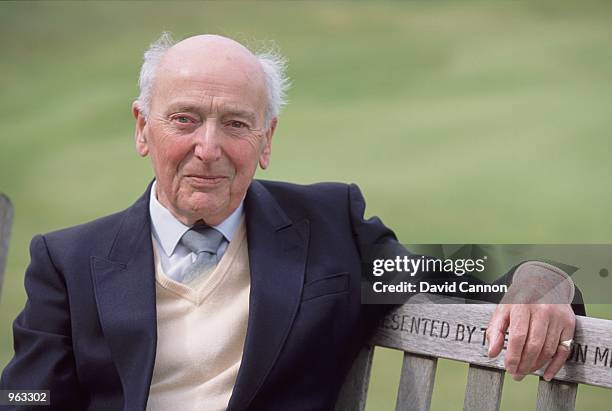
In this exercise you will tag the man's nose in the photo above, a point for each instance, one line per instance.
(208, 140)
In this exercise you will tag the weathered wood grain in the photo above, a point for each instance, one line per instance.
(6, 219)
(556, 396)
(416, 383)
(457, 331)
(355, 389)
(484, 389)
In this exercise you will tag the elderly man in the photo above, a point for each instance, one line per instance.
(216, 291)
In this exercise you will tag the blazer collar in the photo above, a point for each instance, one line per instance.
(277, 258)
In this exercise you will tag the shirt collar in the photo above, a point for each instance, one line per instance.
(168, 230)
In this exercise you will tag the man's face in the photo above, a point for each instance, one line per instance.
(205, 132)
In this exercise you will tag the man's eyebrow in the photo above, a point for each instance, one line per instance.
(182, 107)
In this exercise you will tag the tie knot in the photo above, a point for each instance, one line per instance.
(202, 239)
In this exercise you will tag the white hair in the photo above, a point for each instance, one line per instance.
(273, 64)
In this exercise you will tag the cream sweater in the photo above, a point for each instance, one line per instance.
(201, 330)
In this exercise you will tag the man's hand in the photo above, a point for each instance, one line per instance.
(537, 314)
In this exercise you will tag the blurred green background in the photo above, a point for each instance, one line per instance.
(479, 122)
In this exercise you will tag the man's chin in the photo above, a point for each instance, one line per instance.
(210, 213)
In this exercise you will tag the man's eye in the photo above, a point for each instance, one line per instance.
(237, 124)
(182, 119)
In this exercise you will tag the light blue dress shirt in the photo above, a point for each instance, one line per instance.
(167, 231)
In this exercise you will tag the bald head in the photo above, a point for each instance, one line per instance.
(212, 46)
(212, 66)
(213, 55)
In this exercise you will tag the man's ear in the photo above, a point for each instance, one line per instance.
(264, 157)
(140, 138)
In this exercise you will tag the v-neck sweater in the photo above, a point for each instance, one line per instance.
(201, 331)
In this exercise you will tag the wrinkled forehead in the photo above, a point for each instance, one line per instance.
(214, 73)
(223, 65)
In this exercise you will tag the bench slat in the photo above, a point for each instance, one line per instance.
(484, 389)
(416, 383)
(456, 332)
(6, 218)
(556, 396)
(355, 389)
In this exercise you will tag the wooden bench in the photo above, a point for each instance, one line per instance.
(426, 331)
(6, 218)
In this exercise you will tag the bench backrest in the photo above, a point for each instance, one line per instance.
(426, 331)
(6, 219)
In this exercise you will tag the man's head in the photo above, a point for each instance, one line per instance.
(206, 114)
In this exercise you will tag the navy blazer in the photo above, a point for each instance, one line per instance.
(88, 330)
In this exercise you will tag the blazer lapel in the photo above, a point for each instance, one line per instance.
(124, 286)
(277, 257)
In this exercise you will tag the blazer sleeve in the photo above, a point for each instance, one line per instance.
(43, 357)
(367, 232)
(373, 237)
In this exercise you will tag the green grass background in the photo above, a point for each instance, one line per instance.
(479, 122)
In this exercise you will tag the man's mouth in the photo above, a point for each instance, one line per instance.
(198, 180)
